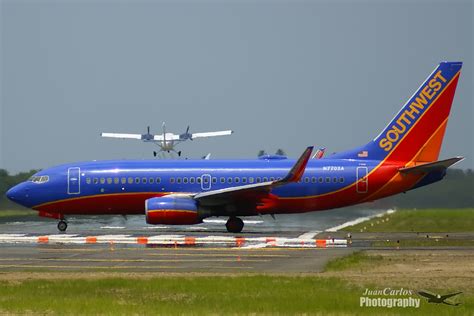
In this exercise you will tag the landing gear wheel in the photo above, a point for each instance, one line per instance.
(62, 226)
(234, 225)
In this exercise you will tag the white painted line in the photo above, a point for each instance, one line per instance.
(240, 242)
(309, 234)
(358, 220)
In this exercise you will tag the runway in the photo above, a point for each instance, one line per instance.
(291, 244)
(99, 258)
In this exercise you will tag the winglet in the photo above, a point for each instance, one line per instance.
(298, 169)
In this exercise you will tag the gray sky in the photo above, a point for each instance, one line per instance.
(282, 74)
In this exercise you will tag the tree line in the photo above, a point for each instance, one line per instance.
(456, 190)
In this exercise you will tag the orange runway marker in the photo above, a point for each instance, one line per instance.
(91, 240)
(142, 240)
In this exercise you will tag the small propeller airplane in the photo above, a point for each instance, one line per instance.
(437, 298)
(166, 141)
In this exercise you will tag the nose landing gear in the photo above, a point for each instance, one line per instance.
(62, 225)
(234, 225)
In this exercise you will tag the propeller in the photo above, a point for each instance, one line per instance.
(186, 135)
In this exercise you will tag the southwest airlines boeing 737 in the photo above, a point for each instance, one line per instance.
(404, 156)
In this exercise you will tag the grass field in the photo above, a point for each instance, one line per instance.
(336, 291)
(357, 260)
(198, 295)
(17, 213)
(425, 242)
(423, 220)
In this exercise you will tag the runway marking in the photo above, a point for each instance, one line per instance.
(309, 235)
(358, 220)
(131, 260)
(115, 267)
(179, 240)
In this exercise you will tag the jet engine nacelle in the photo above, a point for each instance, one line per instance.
(172, 210)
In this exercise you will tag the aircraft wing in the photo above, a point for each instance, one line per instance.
(253, 193)
(168, 136)
(122, 136)
(211, 134)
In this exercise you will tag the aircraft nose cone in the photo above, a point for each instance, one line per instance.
(14, 193)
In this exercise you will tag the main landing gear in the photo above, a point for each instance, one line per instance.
(234, 225)
(62, 225)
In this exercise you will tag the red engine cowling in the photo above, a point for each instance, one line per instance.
(172, 210)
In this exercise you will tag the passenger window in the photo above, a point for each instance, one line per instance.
(198, 180)
(178, 180)
(334, 179)
(214, 180)
(206, 180)
(171, 180)
(341, 180)
(191, 180)
(272, 179)
(265, 179)
(313, 179)
(137, 180)
(251, 180)
(306, 180)
(229, 180)
(102, 180)
(185, 180)
(151, 180)
(123, 180)
(222, 180)
(244, 180)
(328, 179)
(236, 180)
(158, 180)
(88, 180)
(320, 180)
(258, 180)
(116, 180)
(130, 180)
(109, 180)
(144, 180)
(96, 181)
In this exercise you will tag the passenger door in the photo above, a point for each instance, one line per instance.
(74, 180)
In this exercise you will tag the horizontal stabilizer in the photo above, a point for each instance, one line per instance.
(432, 166)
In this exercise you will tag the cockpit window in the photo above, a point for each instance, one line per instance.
(39, 179)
